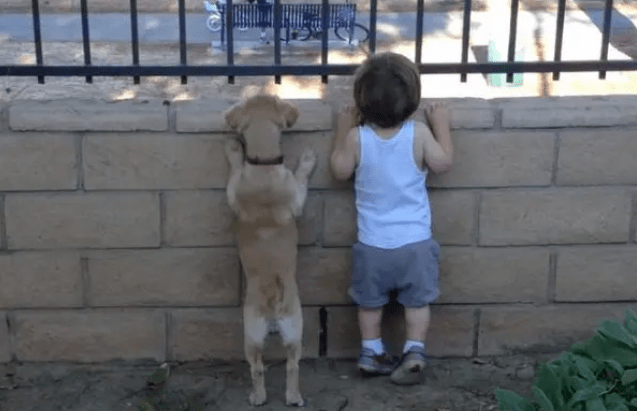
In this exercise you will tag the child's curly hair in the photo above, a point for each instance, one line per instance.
(386, 89)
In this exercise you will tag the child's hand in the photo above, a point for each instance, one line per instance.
(348, 118)
(438, 115)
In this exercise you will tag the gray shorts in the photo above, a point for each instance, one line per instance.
(410, 270)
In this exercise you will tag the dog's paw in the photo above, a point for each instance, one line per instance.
(257, 398)
(234, 151)
(294, 399)
(307, 162)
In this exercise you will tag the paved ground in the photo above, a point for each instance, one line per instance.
(456, 384)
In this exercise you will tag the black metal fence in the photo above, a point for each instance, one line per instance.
(183, 69)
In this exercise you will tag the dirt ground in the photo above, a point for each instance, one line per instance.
(328, 385)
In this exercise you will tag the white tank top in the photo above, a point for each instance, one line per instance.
(392, 204)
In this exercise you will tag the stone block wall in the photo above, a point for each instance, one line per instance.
(115, 238)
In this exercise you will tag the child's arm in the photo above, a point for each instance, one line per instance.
(344, 155)
(438, 148)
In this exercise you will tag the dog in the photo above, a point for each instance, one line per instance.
(266, 198)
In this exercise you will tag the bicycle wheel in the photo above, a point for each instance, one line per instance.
(213, 23)
(304, 34)
(359, 35)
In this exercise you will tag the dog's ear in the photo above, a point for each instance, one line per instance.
(289, 113)
(234, 116)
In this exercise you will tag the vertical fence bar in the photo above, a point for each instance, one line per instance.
(372, 26)
(37, 36)
(466, 26)
(85, 37)
(134, 36)
(230, 36)
(559, 35)
(277, 37)
(325, 16)
(419, 21)
(513, 27)
(182, 37)
(608, 12)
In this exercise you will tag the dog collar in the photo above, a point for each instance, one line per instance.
(256, 161)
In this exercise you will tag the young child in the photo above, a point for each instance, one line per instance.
(389, 154)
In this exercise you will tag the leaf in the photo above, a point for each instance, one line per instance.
(576, 383)
(634, 402)
(617, 367)
(542, 399)
(585, 367)
(550, 385)
(617, 332)
(614, 402)
(631, 322)
(600, 348)
(510, 401)
(587, 394)
(629, 377)
(595, 404)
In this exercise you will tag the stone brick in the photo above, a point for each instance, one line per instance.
(177, 277)
(451, 332)
(597, 158)
(493, 275)
(154, 161)
(198, 218)
(33, 279)
(90, 336)
(324, 275)
(37, 162)
(453, 216)
(568, 216)
(293, 144)
(596, 274)
(66, 115)
(551, 113)
(207, 116)
(203, 218)
(507, 330)
(497, 159)
(5, 352)
(472, 118)
(3, 231)
(466, 113)
(217, 334)
(98, 220)
(339, 219)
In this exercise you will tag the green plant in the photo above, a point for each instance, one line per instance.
(597, 375)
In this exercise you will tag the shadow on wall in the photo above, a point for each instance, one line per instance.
(623, 31)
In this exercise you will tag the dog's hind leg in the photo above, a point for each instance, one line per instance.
(301, 175)
(255, 329)
(291, 329)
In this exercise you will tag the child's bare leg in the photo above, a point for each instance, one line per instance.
(369, 322)
(417, 323)
(373, 360)
(409, 370)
